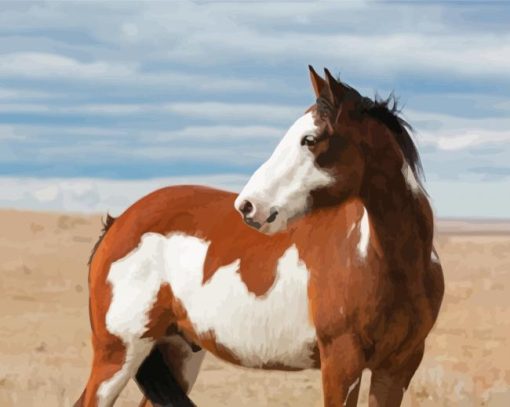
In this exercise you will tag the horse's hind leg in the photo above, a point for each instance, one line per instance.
(169, 372)
(387, 387)
(113, 365)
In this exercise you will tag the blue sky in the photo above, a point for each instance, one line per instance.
(101, 102)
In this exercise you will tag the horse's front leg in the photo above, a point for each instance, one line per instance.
(388, 385)
(342, 363)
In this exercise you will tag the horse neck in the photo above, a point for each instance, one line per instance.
(401, 217)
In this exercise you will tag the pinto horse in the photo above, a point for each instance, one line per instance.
(325, 260)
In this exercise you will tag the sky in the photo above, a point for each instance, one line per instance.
(102, 102)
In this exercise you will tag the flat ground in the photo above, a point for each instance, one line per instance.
(44, 331)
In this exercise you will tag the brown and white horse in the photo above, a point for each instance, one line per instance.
(330, 266)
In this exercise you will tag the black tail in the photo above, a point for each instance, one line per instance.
(158, 385)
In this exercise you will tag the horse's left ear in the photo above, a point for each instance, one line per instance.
(318, 83)
(325, 94)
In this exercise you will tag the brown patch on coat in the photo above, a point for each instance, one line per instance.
(264, 259)
(164, 316)
(160, 315)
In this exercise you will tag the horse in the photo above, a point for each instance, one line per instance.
(324, 260)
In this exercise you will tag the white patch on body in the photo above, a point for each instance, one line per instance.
(364, 230)
(286, 179)
(269, 329)
(135, 281)
(411, 181)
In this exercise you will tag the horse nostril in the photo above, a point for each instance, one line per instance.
(246, 208)
(272, 216)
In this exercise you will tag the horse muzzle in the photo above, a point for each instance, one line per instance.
(257, 215)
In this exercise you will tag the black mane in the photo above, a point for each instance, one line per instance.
(387, 112)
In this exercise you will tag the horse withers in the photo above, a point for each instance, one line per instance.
(324, 260)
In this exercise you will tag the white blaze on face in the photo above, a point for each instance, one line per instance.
(286, 179)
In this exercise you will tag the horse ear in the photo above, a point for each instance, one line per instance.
(337, 89)
(317, 82)
(324, 93)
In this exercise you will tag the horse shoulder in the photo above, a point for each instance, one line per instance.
(343, 256)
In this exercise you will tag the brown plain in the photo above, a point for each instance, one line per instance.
(44, 328)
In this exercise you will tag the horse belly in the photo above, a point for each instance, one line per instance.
(272, 330)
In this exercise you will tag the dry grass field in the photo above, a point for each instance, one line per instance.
(44, 332)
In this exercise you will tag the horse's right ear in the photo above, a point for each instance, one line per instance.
(317, 82)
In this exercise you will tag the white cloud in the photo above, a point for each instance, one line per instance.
(13, 94)
(231, 33)
(45, 65)
(213, 111)
(9, 132)
(166, 32)
(108, 109)
(214, 144)
(450, 199)
(448, 132)
(387, 54)
(461, 139)
(104, 109)
(218, 133)
(220, 154)
(95, 195)
(24, 108)
(243, 112)
(32, 132)
(49, 66)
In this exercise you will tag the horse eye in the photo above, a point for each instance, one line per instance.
(308, 140)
